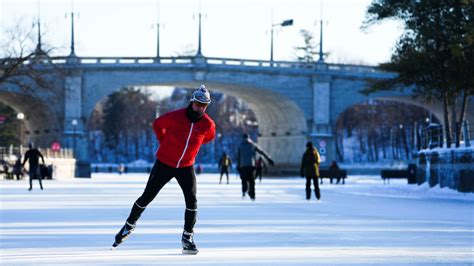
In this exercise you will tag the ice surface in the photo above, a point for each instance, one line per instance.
(73, 222)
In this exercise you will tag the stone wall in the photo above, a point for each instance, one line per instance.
(453, 168)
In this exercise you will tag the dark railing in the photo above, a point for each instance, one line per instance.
(432, 136)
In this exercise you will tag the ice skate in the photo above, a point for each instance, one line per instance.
(189, 247)
(126, 230)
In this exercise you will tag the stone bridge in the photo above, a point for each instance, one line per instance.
(294, 102)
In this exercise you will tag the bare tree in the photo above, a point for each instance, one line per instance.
(23, 63)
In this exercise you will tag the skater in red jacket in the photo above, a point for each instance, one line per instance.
(180, 133)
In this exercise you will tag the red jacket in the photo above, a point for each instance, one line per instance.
(180, 139)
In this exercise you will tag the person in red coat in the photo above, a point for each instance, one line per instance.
(180, 134)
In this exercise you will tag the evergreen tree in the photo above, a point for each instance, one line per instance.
(9, 134)
(309, 51)
(435, 53)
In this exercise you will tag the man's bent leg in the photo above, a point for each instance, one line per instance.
(251, 186)
(244, 183)
(40, 179)
(249, 174)
(308, 187)
(32, 173)
(187, 181)
(317, 192)
(159, 176)
(152, 188)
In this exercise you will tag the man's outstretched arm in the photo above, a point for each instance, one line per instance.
(262, 152)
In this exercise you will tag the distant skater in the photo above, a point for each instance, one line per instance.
(246, 164)
(180, 134)
(121, 168)
(32, 155)
(18, 168)
(225, 164)
(335, 171)
(310, 170)
(260, 166)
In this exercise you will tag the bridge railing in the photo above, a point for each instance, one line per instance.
(135, 60)
(183, 60)
(433, 136)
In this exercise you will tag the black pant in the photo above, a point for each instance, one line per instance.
(247, 175)
(160, 175)
(35, 171)
(316, 187)
(224, 170)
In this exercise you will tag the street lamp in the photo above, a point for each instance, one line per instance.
(20, 117)
(285, 23)
(74, 124)
(216, 142)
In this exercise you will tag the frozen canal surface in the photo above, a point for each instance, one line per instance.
(73, 222)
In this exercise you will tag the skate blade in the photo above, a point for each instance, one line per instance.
(114, 246)
(190, 252)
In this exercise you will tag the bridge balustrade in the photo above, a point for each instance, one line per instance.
(207, 60)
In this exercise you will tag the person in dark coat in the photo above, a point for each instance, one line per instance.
(225, 163)
(32, 155)
(18, 168)
(6, 168)
(310, 169)
(335, 171)
(259, 167)
(198, 168)
(121, 168)
(246, 164)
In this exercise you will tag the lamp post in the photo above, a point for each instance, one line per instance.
(285, 23)
(74, 124)
(158, 30)
(217, 142)
(72, 53)
(20, 117)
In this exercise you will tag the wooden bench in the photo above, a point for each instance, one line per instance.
(409, 174)
(46, 171)
(331, 174)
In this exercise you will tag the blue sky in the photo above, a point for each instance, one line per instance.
(231, 29)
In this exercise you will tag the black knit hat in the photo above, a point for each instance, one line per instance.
(309, 144)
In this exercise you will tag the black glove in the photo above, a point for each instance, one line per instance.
(271, 162)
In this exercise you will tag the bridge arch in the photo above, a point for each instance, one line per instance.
(282, 123)
(341, 101)
(434, 108)
(41, 122)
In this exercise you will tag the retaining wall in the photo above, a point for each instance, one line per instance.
(453, 168)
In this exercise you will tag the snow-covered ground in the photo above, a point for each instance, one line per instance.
(73, 222)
